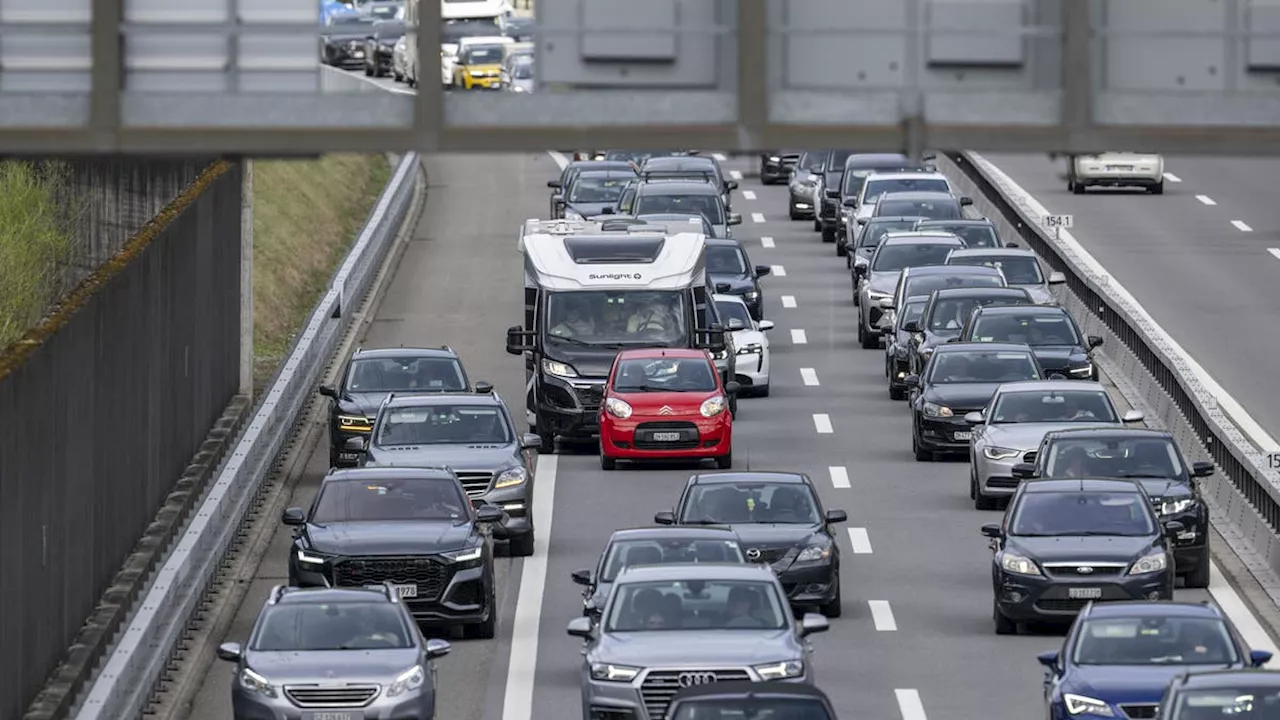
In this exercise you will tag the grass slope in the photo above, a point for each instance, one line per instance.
(35, 245)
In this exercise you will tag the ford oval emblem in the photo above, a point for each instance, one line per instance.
(1085, 570)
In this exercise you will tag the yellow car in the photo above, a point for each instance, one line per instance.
(479, 66)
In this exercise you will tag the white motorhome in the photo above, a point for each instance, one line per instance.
(471, 9)
(586, 284)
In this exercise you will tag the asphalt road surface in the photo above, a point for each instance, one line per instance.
(912, 544)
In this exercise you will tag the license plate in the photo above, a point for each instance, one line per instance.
(1084, 593)
(333, 715)
(348, 456)
(964, 436)
(404, 591)
(666, 437)
(1124, 168)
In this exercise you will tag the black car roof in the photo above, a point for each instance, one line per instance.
(962, 221)
(1215, 679)
(670, 163)
(874, 160)
(940, 239)
(749, 476)
(1023, 309)
(1042, 485)
(608, 173)
(584, 165)
(402, 352)
(983, 347)
(926, 270)
(664, 531)
(677, 186)
(723, 242)
(981, 292)
(741, 688)
(373, 474)
(919, 195)
(1107, 433)
(326, 595)
(412, 399)
(895, 218)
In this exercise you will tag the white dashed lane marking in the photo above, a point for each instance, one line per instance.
(719, 157)
(810, 376)
(767, 241)
(735, 174)
(798, 337)
(839, 476)
(757, 217)
(778, 271)
(1275, 252)
(1206, 199)
(748, 195)
(882, 615)
(822, 423)
(860, 541)
(1172, 178)
(1241, 226)
(788, 301)
(909, 704)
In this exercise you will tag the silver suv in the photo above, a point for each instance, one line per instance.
(668, 627)
(342, 654)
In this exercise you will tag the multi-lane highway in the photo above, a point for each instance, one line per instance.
(916, 640)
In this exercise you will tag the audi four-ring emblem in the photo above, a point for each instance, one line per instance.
(753, 554)
(690, 679)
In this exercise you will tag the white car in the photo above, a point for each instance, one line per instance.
(1116, 169)
(752, 345)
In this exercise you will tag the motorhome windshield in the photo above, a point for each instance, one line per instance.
(619, 318)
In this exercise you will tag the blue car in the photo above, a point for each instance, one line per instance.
(1119, 657)
(1223, 695)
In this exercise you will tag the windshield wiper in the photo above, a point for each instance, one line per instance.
(572, 340)
(705, 521)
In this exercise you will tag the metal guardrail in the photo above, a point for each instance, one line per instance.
(131, 672)
(1244, 498)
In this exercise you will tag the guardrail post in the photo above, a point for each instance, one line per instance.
(107, 72)
(753, 74)
(1078, 80)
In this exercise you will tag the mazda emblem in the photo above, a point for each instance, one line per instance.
(753, 554)
(666, 410)
(691, 679)
(1085, 570)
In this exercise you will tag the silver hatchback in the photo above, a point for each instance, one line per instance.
(669, 627)
(349, 654)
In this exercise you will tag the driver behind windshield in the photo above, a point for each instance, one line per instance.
(575, 322)
(649, 317)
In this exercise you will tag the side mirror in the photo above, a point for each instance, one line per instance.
(1057, 376)
(863, 220)
(765, 325)
(973, 418)
(1055, 278)
(731, 185)
(928, 156)
(723, 287)
(231, 652)
(356, 444)
(581, 577)
(1258, 658)
(607, 211)
(579, 627)
(553, 184)
(762, 270)
(489, 514)
(1133, 416)
(484, 387)
(887, 303)
(733, 387)
(1049, 659)
(1022, 471)
(664, 518)
(1202, 469)
(911, 381)
(837, 516)
(733, 219)
(529, 441)
(991, 530)
(966, 201)
(813, 623)
(519, 340)
(328, 391)
(1094, 341)
(1173, 527)
(912, 326)
(294, 516)
(1014, 245)
(438, 648)
(850, 202)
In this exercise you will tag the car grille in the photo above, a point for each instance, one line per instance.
(475, 482)
(1145, 711)
(689, 440)
(590, 396)
(997, 481)
(430, 576)
(332, 696)
(1072, 571)
(661, 685)
(768, 556)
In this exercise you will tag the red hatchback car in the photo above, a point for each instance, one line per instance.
(666, 405)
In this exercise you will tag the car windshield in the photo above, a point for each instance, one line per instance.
(702, 225)
(810, 161)
(443, 425)
(385, 11)
(617, 318)
(731, 310)
(316, 627)
(949, 315)
(523, 70)
(708, 206)
(597, 188)
(877, 187)
(627, 156)
(1155, 641)
(876, 228)
(406, 374)
(932, 209)
(387, 500)
(665, 374)
(1116, 456)
(725, 260)
(897, 257)
(350, 22)
(483, 55)
(1033, 330)
(1054, 514)
(700, 604)
(836, 160)
(1053, 406)
(925, 284)
(452, 31)
(1241, 701)
(796, 708)
(667, 551)
(1017, 270)
(855, 178)
(750, 502)
(972, 366)
(912, 311)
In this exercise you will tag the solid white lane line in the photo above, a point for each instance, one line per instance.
(757, 217)
(560, 158)
(909, 704)
(735, 174)
(860, 541)
(798, 337)
(822, 423)
(518, 702)
(1172, 178)
(719, 157)
(810, 376)
(1241, 226)
(788, 301)
(839, 476)
(778, 271)
(1206, 199)
(767, 241)
(1231, 603)
(882, 615)
(748, 195)
(1275, 252)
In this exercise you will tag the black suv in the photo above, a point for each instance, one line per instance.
(1153, 459)
(371, 375)
(412, 527)
(1049, 329)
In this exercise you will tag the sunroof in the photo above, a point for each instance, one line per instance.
(590, 250)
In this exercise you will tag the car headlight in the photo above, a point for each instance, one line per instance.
(860, 260)
(999, 453)
(572, 215)
(613, 673)
(618, 408)
(1151, 563)
(815, 553)
(465, 555)
(936, 410)
(927, 351)
(355, 423)
(780, 670)
(875, 296)
(253, 682)
(1084, 370)
(752, 349)
(410, 679)
(751, 296)
(1018, 565)
(1170, 507)
(1081, 704)
(774, 158)
(553, 367)
(311, 558)
(712, 407)
(510, 478)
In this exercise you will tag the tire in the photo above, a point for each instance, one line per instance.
(870, 341)
(1077, 188)
(828, 235)
(792, 212)
(333, 458)
(484, 630)
(606, 462)
(725, 462)
(762, 391)
(1199, 576)
(834, 608)
(548, 446)
(733, 406)
(817, 224)
(973, 481)
(897, 393)
(982, 502)
(1157, 189)
(521, 545)
(1004, 626)
(368, 69)
(921, 454)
